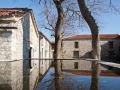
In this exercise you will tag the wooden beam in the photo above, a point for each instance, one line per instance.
(7, 21)
(8, 27)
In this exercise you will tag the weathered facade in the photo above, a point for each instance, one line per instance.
(19, 49)
(45, 53)
(80, 46)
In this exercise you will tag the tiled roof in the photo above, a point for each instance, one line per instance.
(52, 42)
(102, 36)
(9, 12)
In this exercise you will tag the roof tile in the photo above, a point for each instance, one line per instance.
(102, 36)
(13, 11)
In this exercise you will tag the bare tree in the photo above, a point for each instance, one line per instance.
(96, 49)
(58, 28)
(68, 11)
(61, 18)
(72, 18)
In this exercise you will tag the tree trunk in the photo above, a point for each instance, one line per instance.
(95, 43)
(57, 83)
(58, 28)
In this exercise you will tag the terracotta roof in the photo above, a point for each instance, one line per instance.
(52, 42)
(18, 12)
(102, 36)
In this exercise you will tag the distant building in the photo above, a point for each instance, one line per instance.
(45, 53)
(80, 46)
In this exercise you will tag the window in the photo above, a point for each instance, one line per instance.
(30, 55)
(76, 65)
(76, 54)
(42, 56)
(111, 44)
(53, 46)
(45, 53)
(110, 68)
(111, 54)
(76, 44)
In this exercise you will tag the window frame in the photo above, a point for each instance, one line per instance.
(75, 54)
(111, 54)
(30, 56)
(75, 65)
(110, 44)
(76, 44)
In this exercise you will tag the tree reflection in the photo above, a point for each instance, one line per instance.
(57, 83)
(68, 81)
(95, 76)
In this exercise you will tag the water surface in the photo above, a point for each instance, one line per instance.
(77, 82)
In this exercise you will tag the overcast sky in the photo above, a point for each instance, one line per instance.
(110, 22)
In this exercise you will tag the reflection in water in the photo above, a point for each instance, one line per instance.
(57, 83)
(76, 82)
(95, 76)
(67, 82)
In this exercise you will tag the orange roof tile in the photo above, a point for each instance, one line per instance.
(13, 11)
(102, 36)
(52, 42)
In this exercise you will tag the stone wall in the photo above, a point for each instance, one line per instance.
(5, 45)
(5, 75)
(15, 44)
(17, 75)
(5, 56)
(17, 41)
(11, 77)
(30, 39)
(45, 52)
(105, 48)
(82, 65)
(84, 48)
(34, 71)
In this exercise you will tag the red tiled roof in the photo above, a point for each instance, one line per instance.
(52, 42)
(102, 36)
(13, 11)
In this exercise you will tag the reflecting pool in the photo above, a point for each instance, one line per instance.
(77, 82)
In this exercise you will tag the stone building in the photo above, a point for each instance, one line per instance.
(80, 46)
(19, 49)
(45, 53)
